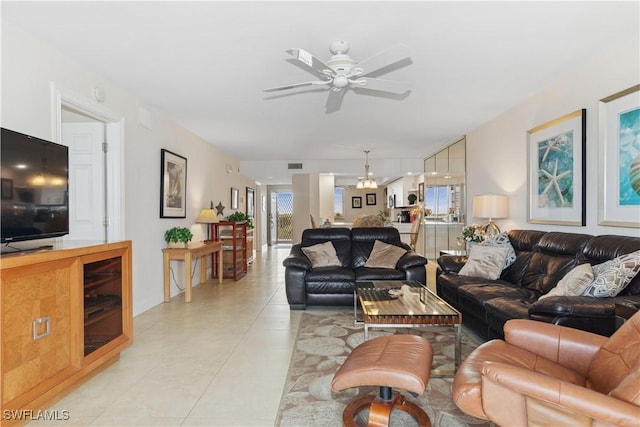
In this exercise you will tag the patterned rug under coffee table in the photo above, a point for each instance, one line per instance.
(324, 340)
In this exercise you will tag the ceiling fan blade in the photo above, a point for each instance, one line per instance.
(311, 61)
(381, 85)
(334, 100)
(297, 85)
(384, 59)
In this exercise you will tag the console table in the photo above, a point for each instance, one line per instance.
(193, 250)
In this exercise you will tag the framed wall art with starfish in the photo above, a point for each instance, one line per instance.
(619, 159)
(556, 171)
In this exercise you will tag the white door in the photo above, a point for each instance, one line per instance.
(86, 180)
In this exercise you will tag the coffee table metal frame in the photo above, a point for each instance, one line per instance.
(381, 310)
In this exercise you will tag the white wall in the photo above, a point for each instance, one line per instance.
(306, 201)
(29, 66)
(497, 150)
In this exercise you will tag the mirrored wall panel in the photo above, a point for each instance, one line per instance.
(444, 199)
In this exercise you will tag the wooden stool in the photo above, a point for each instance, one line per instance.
(400, 361)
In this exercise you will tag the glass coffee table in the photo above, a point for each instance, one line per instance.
(416, 307)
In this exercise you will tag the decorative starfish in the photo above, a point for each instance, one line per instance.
(220, 209)
(551, 146)
(553, 181)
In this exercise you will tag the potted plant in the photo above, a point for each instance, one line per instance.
(178, 237)
(412, 198)
(239, 216)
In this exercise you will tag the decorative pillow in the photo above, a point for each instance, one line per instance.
(574, 283)
(485, 262)
(612, 276)
(384, 255)
(322, 255)
(502, 241)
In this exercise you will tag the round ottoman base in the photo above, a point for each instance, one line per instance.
(380, 411)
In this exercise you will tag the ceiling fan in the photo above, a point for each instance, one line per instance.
(341, 72)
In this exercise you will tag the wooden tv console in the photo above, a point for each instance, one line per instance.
(65, 313)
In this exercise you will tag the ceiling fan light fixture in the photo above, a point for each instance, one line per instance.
(341, 72)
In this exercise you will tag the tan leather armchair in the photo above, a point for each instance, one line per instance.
(548, 375)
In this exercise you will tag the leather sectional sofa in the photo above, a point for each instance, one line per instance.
(543, 259)
(334, 285)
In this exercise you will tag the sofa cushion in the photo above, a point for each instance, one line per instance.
(366, 274)
(480, 293)
(485, 261)
(330, 274)
(555, 256)
(574, 283)
(525, 243)
(322, 255)
(502, 241)
(362, 240)
(384, 255)
(340, 237)
(611, 277)
(606, 247)
(330, 287)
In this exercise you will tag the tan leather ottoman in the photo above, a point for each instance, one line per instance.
(392, 361)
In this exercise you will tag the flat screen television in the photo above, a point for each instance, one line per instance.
(34, 188)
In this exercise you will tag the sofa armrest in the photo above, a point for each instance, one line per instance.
(565, 346)
(411, 259)
(298, 259)
(451, 263)
(561, 394)
(590, 314)
(577, 306)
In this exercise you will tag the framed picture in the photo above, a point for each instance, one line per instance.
(421, 191)
(390, 201)
(250, 202)
(371, 199)
(557, 166)
(356, 202)
(6, 188)
(173, 185)
(619, 159)
(234, 198)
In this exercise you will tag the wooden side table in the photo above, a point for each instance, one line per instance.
(193, 250)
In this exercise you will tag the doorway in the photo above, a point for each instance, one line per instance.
(96, 185)
(280, 215)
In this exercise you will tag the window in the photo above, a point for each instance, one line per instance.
(338, 207)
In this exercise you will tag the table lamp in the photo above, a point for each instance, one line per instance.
(207, 216)
(491, 206)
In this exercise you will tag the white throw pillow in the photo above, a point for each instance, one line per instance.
(574, 283)
(502, 241)
(612, 276)
(384, 255)
(322, 255)
(485, 262)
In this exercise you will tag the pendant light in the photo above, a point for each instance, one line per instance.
(366, 182)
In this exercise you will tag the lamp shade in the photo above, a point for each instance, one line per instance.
(207, 216)
(490, 206)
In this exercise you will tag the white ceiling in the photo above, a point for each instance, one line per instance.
(206, 64)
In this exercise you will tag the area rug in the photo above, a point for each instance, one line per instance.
(324, 340)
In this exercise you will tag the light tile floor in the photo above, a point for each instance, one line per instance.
(219, 361)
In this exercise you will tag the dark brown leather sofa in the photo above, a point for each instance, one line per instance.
(543, 258)
(306, 285)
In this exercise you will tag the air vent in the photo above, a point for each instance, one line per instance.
(294, 166)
